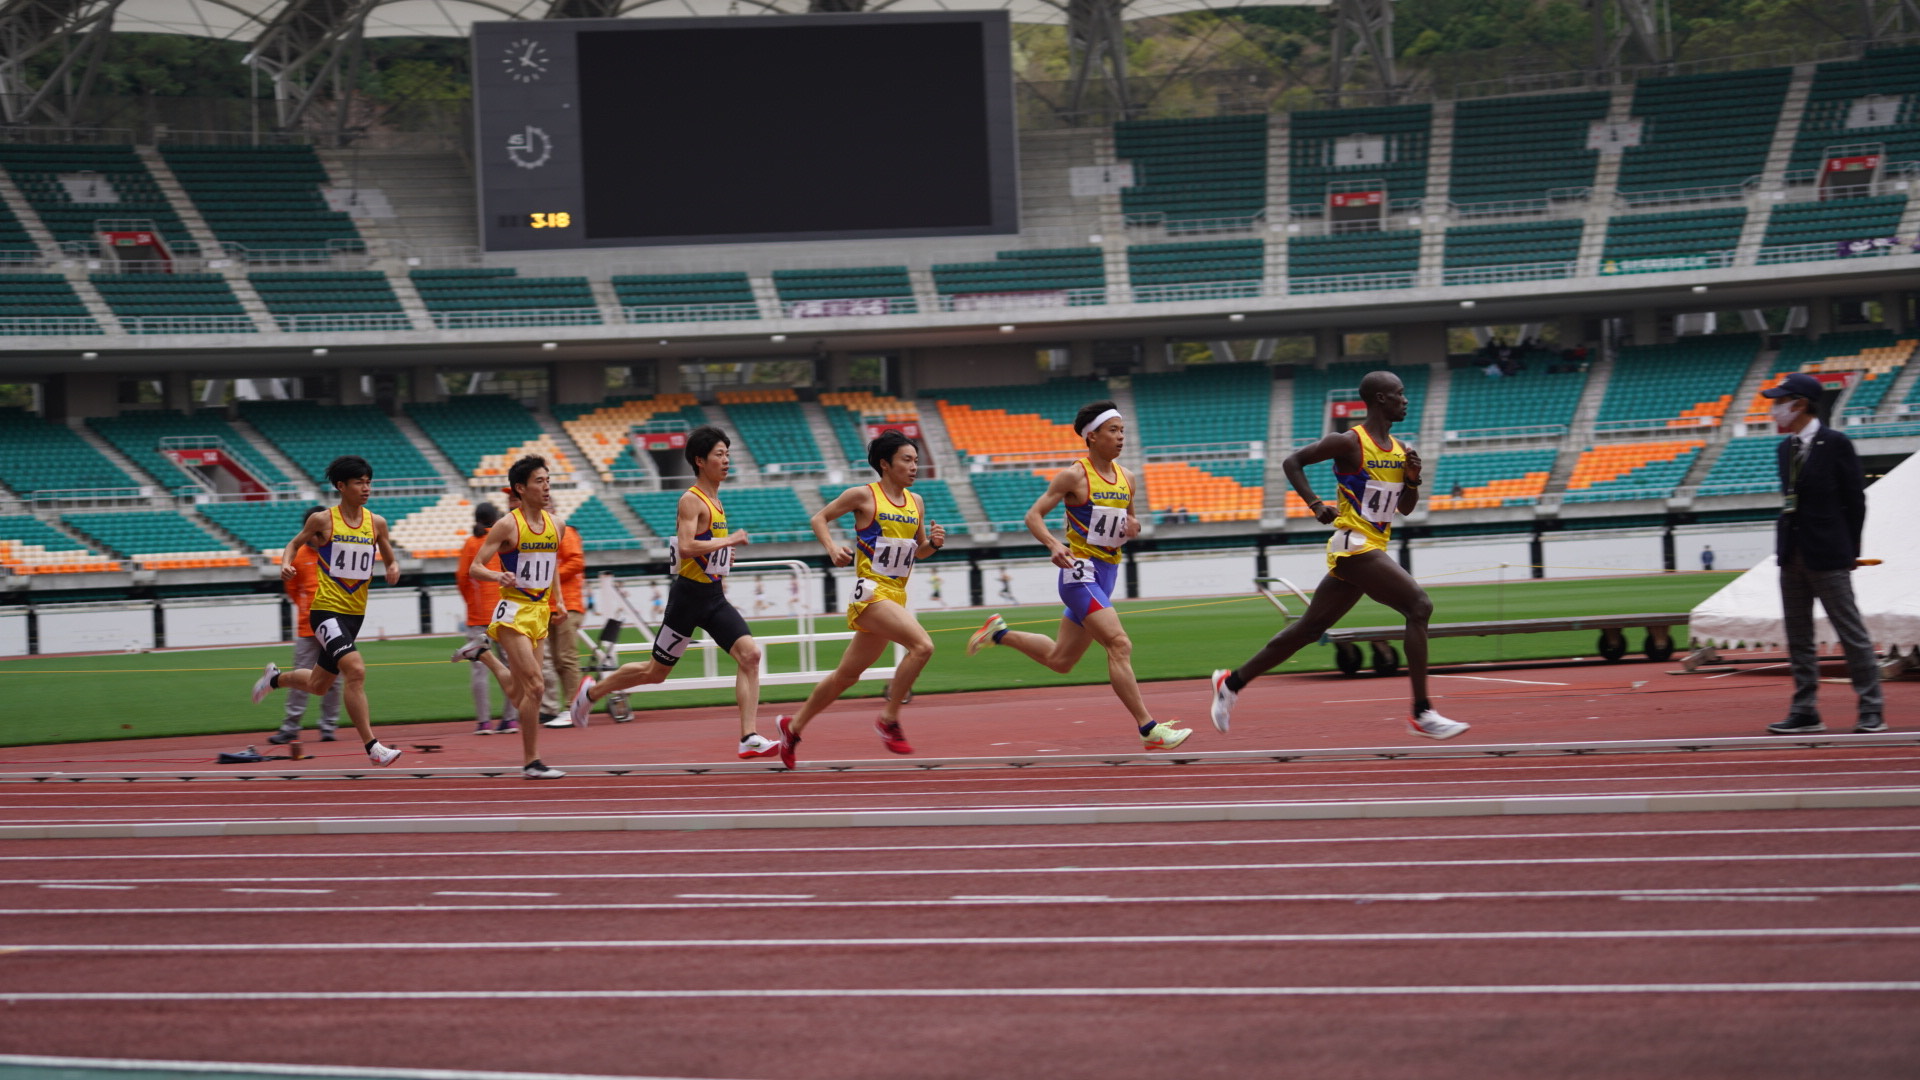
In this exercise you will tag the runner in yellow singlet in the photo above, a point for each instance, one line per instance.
(349, 539)
(893, 534)
(528, 543)
(1378, 477)
(1100, 518)
(705, 546)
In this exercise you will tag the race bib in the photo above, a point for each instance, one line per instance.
(1107, 526)
(720, 562)
(864, 590)
(535, 569)
(1382, 502)
(893, 556)
(505, 612)
(350, 562)
(327, 631)
(671, 642)
(1080, 572)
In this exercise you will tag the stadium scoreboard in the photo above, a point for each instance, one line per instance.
(633, 132)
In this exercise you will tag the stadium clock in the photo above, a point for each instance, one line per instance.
(526, 60)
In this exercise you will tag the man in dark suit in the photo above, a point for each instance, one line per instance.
(1817, 541)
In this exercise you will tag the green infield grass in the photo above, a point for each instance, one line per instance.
(194, 692)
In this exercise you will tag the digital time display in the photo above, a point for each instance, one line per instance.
(552, 220)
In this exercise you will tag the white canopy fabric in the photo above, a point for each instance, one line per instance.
(243, 20)
(1747, 611)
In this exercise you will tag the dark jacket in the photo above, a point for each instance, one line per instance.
(1832, 505)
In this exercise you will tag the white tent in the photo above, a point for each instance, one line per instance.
(1747, 611)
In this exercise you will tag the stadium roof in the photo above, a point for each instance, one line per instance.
(245, 19)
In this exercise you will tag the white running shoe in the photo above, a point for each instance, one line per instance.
(472, 650)
(758, 745)
(538, 770)
(581, 708)
(264, 684)
(1434, 726)
(381, 754)
(558, 721)
(983, 637)
(1223, 700)
(1164, 736)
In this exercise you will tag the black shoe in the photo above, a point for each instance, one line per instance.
(1797, 725)
(1870, 725)
(326, 736)
(283, 738)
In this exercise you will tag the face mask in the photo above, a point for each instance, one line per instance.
(1783, 413)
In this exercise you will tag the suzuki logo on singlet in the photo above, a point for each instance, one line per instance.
(901, 518)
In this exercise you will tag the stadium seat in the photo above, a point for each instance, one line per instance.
(1745, 466)
(330, 300)
(1703, 131)
(888, 287)
(774, 429)
(1361, 260)
(152, 303)
(1542, 249)
(39, 456)
(769, 514)
(847, 410)
(1837, 85)
(999, 420)
(1688, 239)
(138, 435)
(686, 297)
(1200, 270)
(264, 198)
(1080, 273)
(1489, 478)
(1876, 355)
(1316, 163)
(1683, 384)
(499, 297)
(1206, 490)
(50, 175)
(155, 540)
(312, 435)
(42, 304)
(603, 431)
(1539, 142)
(1312, 390)
(1208, 172)
(1639, 470)
(484, 434)
(31, 546)
(1530, 401)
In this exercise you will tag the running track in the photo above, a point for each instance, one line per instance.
(1338, 915)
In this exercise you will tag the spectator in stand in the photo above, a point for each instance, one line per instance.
(1706, 557)
(1459, 490)
(481, 597)
(563, 645)
(306, 649)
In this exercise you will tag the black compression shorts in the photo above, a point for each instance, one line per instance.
(336, 634)
(695, 605)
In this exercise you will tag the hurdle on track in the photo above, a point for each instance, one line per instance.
(614, 598)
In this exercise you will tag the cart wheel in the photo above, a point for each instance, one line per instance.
(1386, 659)
(1613, 644)
(1347, 656)
(1659, 643)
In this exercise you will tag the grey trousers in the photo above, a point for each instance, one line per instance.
(481, 682)
(306, 654)
(1799, 588)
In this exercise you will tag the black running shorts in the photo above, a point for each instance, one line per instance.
(695, 605)
(336, 634)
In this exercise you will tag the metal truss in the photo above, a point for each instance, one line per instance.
(311, 44)
(77, 31)
(1363, 52)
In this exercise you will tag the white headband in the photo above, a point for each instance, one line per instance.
(1110, 414)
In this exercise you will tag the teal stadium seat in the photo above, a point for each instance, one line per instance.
(1702, 131)
(1485, 469)
(264, 198)
(1746, 466)
(1521, 149)
(1078, 272)
(1828, 224)
(1200, 173)
(1200, 405)
(498, 296)
(881, 284)
(1356, 260)
(1530, 401)
(470, 427)
(138, 435)
(599, 530)
(311, 436)
(150, 303)
(1316, 163)
(137, 533)
(42, 304)
(1891, 73)
(686, 297)
(1007, 495)
(776, 433)
(1687, 239)
(1538, 249)
(262, 526)
(769, 514)
(330, 300)
(41, 456)
(130, 191)
(1660, 386)
(1198, 270)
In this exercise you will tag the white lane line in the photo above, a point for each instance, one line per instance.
(63, 885)
(450, 892)
(969, 871)
(1433, 896)
(1064, 845)
(1489, 678)
(1732, 899)
(1786, 932)
(1448, 989)
(236, 1068)
(1028, 898)
(277, 890)
(743, 896)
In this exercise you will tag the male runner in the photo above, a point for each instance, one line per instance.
(893, 531)
(1377, 476)
(348, 538)
(696, 601)
(1100, 518)
(528, 543)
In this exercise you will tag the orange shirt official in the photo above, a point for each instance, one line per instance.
(481, 596)
(570, 571)
(306, 581)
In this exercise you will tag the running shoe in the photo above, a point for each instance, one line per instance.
(471, 651)
(539, 770)
(789, 740)
(507, 727)
(983, 637)
(1434, 726)
(326, 736)
(758, 745)
(1164, 736)
(547, 720)
(891, 736)
(282, 738)
(381, 754)
(1797, 724)
(263, 685)
(1870, 725)
(581, 709)
(481, 728)
(1223, 700)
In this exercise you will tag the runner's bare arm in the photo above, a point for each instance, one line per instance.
(1068, 481)
(931, 534)
(1334, 447)
(383, 544)
(314, 533)
(503, 534)
(856, 501)
(691, 518)
(1411, 477)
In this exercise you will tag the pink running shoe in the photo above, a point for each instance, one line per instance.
(891, 735)
(788, 740)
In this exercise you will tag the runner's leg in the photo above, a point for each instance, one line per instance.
(861, 652)
(1382, 579)
(1059, 654)
(1332, 598)
(529, 682)
(896, 624)
(1104, 627)
(746, 685)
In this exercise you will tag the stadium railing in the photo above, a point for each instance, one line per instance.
(1520, 433)
(1559, 202)
(38, 325)
(1158, 219)
(512, 318)
(667, 313)
(1662, 423)
(1681, 196)
(1222, 451)
(1037, 299)
(1338, 283)
(1822, 251)
(188, 324)
(353, 322)
(1490, 275)
(104, 497)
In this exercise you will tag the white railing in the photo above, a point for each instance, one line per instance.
(678, 313)
(1820, 252)
(349, 323)
(1662, 264)
(1157, 219)
(1199, 290)
(1557, 201)
(188, 324)
(1639, 200)
(1023, 460)
(1491, 275)
(1337, 283)
(48, 325)
(1507, 434)
(1253, 450)
(512, 318)
(1680, 424)
(107, 497)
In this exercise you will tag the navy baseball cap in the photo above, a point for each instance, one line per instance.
(1798, 384)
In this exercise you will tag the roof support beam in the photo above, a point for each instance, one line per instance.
(1363, 45)
(310, 44)
(1097, 40)
(28, 28)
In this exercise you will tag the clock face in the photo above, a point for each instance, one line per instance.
(526, 60)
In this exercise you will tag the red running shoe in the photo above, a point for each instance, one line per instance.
(788, 740)
(892, 736)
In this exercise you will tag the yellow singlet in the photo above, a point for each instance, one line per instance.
(346, 565)
(883, 557)
(524, 607)
(1097, 527)
(714, 565)
(1368, 500)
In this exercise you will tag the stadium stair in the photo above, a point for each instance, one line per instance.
(22, 235)
(601, 430)
(1637, 470)
(264, 198)
(31, 546)
(155, 540)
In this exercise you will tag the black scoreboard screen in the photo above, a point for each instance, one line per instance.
(631, 132)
